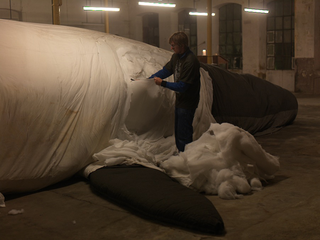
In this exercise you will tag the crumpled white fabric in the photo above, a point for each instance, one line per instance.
(225, 160)
(146, 153)
(16, 211)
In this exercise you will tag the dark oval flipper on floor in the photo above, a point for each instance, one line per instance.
(153, 194)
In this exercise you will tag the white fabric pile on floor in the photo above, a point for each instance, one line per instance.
(225, 160)
(67, 104)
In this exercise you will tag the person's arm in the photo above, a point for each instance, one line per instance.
(175, 86)
(163, 73)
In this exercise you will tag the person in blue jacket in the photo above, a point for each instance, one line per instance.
(185, 67)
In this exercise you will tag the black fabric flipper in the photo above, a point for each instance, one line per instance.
(152, 194)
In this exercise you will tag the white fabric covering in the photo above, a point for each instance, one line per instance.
(220, 162)
(64, 93)
(67, 103)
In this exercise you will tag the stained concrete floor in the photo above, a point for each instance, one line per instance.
(287, 208)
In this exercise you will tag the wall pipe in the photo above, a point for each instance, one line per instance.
(209, 32)
(10, 9)
(56, 11)
(107, 16)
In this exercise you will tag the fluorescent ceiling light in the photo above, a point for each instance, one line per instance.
(200, 14)
(253, 10)
(155, 4)
(101, 9)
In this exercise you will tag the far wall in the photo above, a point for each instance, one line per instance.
(128, 23)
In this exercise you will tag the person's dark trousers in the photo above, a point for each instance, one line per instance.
(183, 127)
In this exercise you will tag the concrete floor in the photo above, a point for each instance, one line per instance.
(287, 208)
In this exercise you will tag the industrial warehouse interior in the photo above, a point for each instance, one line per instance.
(87, 145)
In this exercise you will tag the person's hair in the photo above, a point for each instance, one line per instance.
(179, 38)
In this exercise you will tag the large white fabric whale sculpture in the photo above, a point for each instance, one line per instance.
(66, 95)
(63, 96)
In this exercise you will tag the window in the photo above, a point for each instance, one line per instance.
(150, 23)
(188, 24)
(9, 13)
(280, 35)
(230, 34)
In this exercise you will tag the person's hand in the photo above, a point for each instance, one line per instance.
(157, 81)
